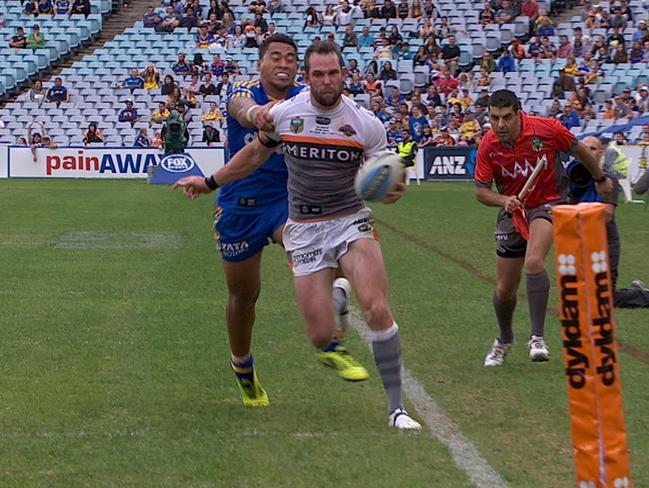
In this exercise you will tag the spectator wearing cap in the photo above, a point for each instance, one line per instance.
(182, 67)
(19, 41)
(80, 7)
(92, 134)
(57, 93)
(231, 67)
(211, 135)
(444, 139)
(36, 40)
(129, 113)
(134, 81)
(393, 132)
(569, 118)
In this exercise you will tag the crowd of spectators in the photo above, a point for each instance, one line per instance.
(449, 109)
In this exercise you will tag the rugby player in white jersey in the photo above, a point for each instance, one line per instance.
(324, 137)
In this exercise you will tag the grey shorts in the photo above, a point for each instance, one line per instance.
(509, 243)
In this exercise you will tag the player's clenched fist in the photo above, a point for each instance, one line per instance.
(192, 186)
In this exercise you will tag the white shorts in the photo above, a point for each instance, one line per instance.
(315, 245)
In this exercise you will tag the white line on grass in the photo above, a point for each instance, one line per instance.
(465, 455)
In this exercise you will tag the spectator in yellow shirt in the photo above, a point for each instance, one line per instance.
(213, 114)
(470, 128)
(160, 116)
(465, 100)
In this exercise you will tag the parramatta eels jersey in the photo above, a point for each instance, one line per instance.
(323, 151)
(268, 183)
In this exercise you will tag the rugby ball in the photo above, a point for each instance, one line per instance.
(379, 175)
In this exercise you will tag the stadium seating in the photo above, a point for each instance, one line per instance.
(95, 94)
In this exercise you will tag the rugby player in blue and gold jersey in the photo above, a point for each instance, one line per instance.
(252, 212)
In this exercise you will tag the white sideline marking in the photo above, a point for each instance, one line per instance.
(465, 455)
(118, 240)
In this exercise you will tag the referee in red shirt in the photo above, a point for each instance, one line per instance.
(507, 155)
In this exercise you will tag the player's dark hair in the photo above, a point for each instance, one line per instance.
(504, 98)
(281, 38)
(322, 47)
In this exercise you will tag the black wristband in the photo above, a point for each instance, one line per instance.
(211, 183)
(269, 143)
(600, 180)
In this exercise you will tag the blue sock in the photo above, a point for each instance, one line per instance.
(244, 370)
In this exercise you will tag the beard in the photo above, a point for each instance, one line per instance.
(329, 98)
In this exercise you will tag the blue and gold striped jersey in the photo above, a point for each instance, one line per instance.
(267, 184)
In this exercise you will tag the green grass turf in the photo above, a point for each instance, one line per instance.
(114, 359)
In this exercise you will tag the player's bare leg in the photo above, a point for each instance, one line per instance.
(363, 264)
(314, 294)
(508, 278)
(244, 284)
(538, 285)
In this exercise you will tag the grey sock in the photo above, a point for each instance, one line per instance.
(387, 355)
(538, 292)
(504, 313)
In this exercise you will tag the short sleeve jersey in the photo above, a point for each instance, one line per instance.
(540, 141)
(267, 185)
(323, 151)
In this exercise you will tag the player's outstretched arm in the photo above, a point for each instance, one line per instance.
(603, 184)
(244, 163)
(245, 111)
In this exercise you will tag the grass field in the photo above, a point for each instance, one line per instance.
(114, 360)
